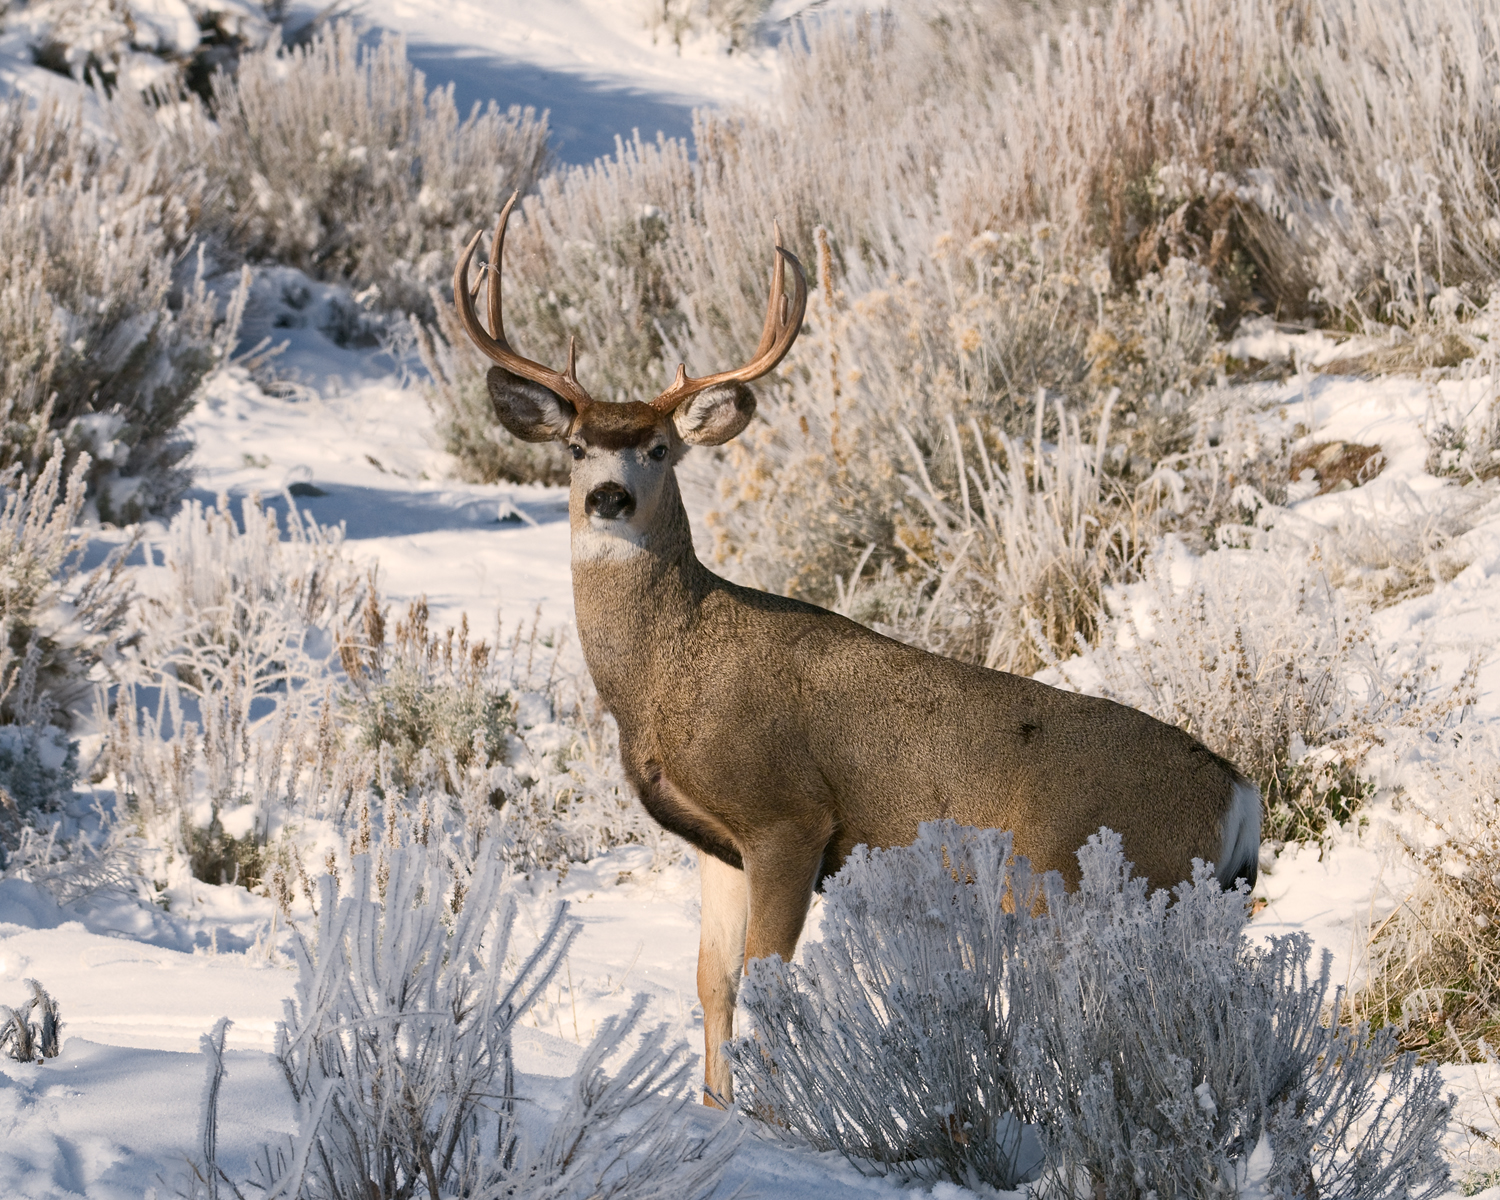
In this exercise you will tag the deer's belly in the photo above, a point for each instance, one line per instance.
(679, 813)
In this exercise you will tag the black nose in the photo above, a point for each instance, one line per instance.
(609, 500)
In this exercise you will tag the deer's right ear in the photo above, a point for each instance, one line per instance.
(530, 411)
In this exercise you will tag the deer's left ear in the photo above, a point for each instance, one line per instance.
(714, 416)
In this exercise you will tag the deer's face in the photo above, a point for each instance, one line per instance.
(623, 454)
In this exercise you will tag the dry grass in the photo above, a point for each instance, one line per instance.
(1435, 959)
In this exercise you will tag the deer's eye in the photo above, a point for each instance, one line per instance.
(577, 452)
(658, 452)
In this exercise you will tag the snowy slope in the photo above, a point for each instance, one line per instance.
(113, 1114)
(137, 1007)
(593, 65)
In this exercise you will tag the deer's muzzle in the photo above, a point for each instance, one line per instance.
(610, 501)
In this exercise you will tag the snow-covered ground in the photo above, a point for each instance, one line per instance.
(113, 1115)
(138, 989)
(592, 65)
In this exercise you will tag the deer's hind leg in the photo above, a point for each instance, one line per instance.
(721, 958)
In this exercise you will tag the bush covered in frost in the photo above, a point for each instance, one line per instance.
(279, 696)
(103, 341)
(506, 737)
(895, 1043)
(57, 625)
(437, 702)
(396, 1051)
(59, 622)
(955, 998)
(1160, 1047)
(337, 160)
(1434, 959)
(1376, 186)
(232, 631)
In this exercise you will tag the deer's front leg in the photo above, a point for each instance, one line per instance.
(721, 957)
(781, 869)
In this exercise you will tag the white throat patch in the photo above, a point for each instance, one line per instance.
(599, 541)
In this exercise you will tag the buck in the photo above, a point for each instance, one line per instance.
(774, 735)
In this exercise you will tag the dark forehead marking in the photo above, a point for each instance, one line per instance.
(618, 426)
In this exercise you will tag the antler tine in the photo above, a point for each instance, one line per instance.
(495, 347)
(783, 323)
(774, 312)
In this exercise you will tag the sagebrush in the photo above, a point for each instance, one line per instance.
(287, 715)
(105, 332)
(338, 160)
(1150, 1045)
(396, 1052)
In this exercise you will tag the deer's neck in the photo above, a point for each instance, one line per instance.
(636, 598)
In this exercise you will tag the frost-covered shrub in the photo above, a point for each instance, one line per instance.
(1160, 1046)
(338, 160)
(1404, 551)
(396, 1050)
(441, 695)
(233, 630)
(1257, 654)
(1433, 974)
(58, 621)
(1154, 1049)
(251, 652)
(57, 624)
(1377, 183)
(887, 365)
(101, 340)
(79, 855)
(505, 739)
(235, 605)
(31, 1032)
(566, 798)
(399, 986)
(1463, 424)
(999, 538)
(1024, 550)
(894, 1043)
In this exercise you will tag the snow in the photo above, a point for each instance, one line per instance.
(116, 1112)
(591, 64)
(370, 449)
(136, 999)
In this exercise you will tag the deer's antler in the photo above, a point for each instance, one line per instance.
(783, 323)
(564, 383)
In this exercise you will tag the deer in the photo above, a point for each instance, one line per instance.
(774, 735)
